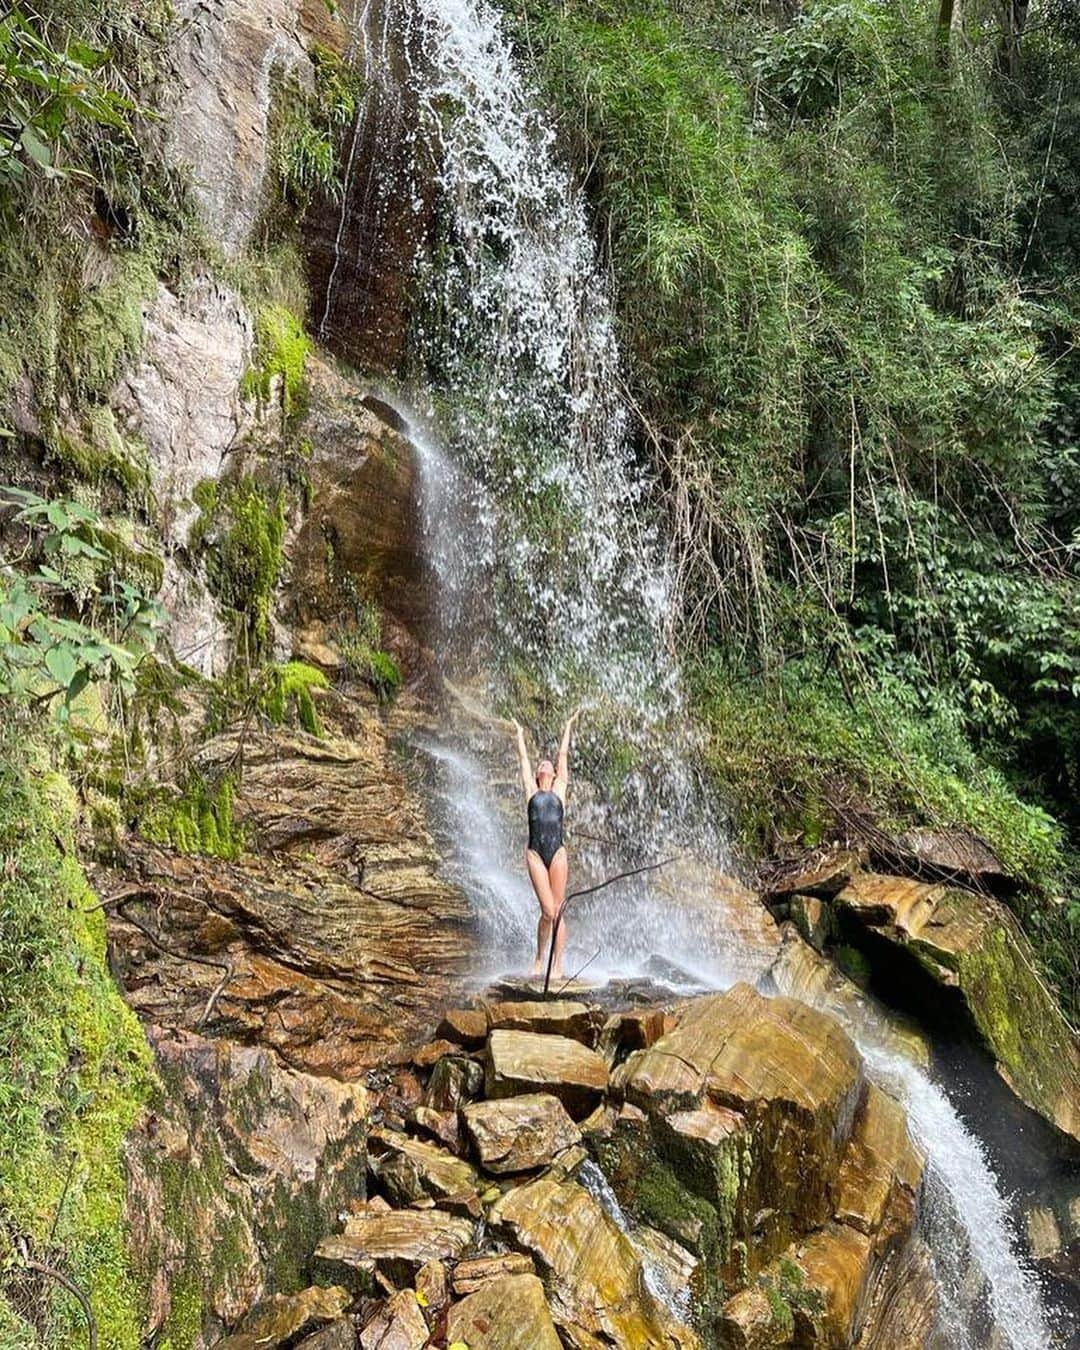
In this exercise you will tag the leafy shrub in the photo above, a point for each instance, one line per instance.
(46, 657)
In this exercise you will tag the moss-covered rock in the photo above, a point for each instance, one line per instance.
(75, 1074)
(970, 943)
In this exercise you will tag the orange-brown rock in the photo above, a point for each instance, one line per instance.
(397, 1240)
(398, 1325)
(509, 1313)
(881, 1171)
(577, 1021)
(471, 1275)
(410, 1169)
(332, 944)
(594, 1277)
(519, 1134)
(285, 1318)
(467, 1027)
(363, 519)
(520, 1062)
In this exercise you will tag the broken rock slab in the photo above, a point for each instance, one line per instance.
(519, 1134)
(285, 1318)
(411, 1169)
(398, 1242)
(595, 1278)
(576, 1021)
(521, 1062)
(971, 943)
(398, 1325)
(509, 1313)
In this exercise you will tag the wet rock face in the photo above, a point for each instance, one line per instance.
(229, 56)
(363, 520)
(361, 253)
(230, 1178)
(970, 943)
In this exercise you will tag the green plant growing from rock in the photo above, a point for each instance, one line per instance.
(360, 645)
(289, 687)
(312, 128)
(200, 820)
(47, 657)
(240, 534)
(282, 348)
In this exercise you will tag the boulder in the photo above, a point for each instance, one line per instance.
(972, 944)
(442, 1126)
(398, 1241)
(739, 1122)
(595, 1279)
(398, 1325)
(236, 1157)
(469, 1276)
(881, 1172)
(411, 1169)
(519, 1133)
(952, 855)
(520, 1062)
(433, 1287)
(509, 1313)
(820, 872)
(467, 1027)
(285, 1318)
(338, 1336)
(454, 1081)
(577, 1021)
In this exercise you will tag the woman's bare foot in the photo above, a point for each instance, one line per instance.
(537, 970)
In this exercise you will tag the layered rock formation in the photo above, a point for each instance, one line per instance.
(769, 1194)
(972, 950)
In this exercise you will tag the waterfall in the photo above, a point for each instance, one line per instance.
(553, 583)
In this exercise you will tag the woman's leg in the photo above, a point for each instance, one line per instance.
(558, 873)
(541, 884)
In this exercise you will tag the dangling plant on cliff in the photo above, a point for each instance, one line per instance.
(313, 126)
(42, 92)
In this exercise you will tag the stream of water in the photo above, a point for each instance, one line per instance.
(553, 584)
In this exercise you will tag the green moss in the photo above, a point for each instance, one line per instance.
(289, 687)
(282, 348)
(76, 1073)
(199, 821)
(240, 534)
(97, 451)
(359, 645)
(853, 963)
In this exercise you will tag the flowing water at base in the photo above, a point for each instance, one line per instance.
(553, 583)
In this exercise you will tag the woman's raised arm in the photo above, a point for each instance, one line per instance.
(528, 781)
(562, 768)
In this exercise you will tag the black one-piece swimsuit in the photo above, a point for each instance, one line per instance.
(545, 825)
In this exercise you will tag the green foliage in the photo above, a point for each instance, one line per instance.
(289, 687)
(44, 656)
(42, 91)
(361, 650)
(865, 422)
(282, 350)
(313, 125)
(75, 1073)
(199, 821)
(241, 532)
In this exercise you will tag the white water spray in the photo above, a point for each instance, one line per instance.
(552, 578)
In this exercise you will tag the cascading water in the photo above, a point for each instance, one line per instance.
(552, 582)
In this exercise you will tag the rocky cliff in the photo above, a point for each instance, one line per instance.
(337, 1139)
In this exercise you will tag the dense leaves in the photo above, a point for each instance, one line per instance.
(847, 262)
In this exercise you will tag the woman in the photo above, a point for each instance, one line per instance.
(545, 857)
